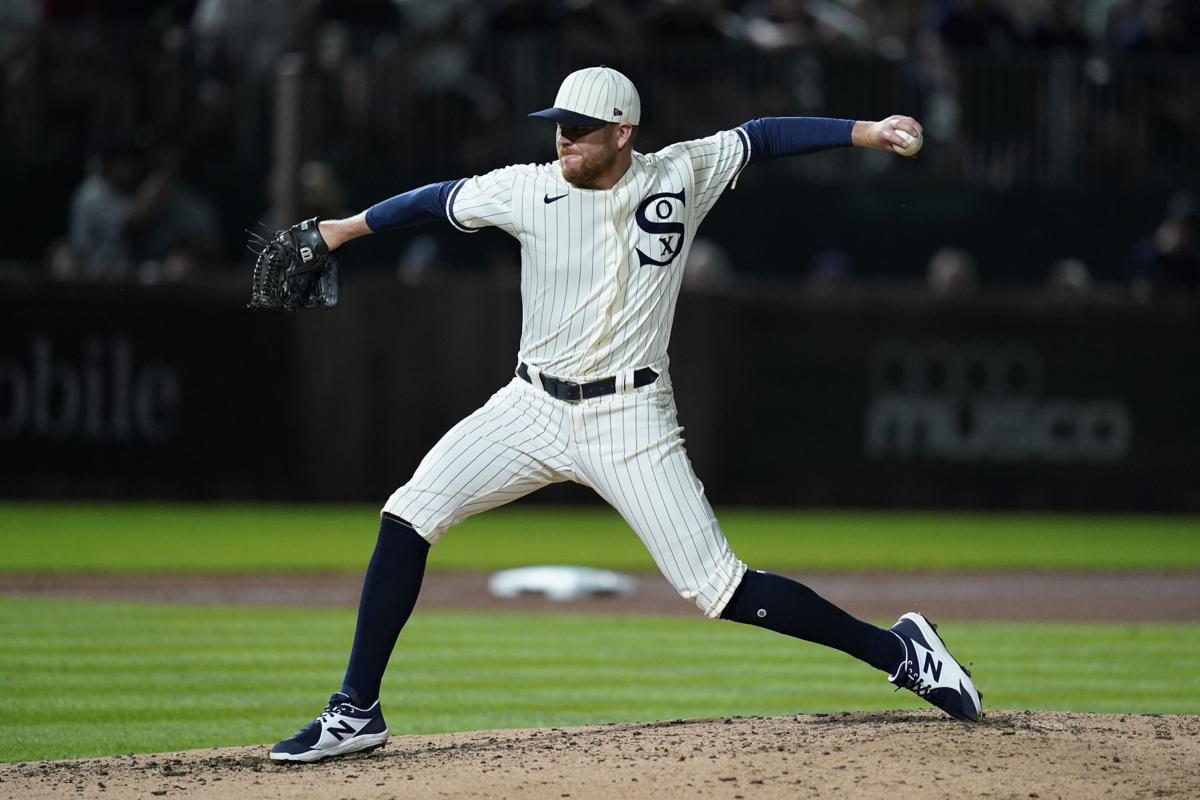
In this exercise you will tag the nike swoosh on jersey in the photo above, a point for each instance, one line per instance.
(548, 199)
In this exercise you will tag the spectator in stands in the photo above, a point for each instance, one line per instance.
(237, 47)
(246, 37)
(708, 267)
(419, 260)
(132, 219)
(1069, 278)
(952, 273)
(1166, 262)
(986, 139)
(773, 24)
(319, 191)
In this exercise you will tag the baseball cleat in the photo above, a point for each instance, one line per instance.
(342, 728)
(931, 672)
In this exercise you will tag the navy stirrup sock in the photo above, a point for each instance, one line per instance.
(785, 606)
(389, 592)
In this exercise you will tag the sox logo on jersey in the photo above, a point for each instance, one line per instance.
(600, 276)
(668, 233)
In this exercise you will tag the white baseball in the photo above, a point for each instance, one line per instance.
(913, 143)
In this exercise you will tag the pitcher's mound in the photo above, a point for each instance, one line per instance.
(1012, 754)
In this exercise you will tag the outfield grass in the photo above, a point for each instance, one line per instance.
(244, 538)
(91, 679)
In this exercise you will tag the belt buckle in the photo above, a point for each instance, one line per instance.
(576, 391)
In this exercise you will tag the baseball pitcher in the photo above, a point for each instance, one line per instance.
(604, 232)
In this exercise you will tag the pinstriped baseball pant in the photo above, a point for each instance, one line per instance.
(627, 446)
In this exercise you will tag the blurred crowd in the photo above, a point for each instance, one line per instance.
(160, 102)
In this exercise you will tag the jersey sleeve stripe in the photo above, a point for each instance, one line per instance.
(744, 138)
(450, 208)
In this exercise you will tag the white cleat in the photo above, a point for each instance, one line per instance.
(931, 672)
(340, 729)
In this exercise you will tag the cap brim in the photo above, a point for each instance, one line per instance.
(564, 117)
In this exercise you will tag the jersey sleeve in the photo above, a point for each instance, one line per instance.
(484, 200)
(717, 161)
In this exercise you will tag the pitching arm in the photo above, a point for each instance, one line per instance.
(776, 137)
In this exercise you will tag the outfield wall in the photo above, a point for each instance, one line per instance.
(873, 398)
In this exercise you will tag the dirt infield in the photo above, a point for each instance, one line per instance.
(1065, 596)
(865, 755)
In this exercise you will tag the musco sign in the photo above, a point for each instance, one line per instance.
(983, 402)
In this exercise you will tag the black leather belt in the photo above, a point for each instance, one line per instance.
(569, 390)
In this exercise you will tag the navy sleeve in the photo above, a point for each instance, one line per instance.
(773, 137)
(411, 208)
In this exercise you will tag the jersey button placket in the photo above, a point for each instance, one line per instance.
(616, 263)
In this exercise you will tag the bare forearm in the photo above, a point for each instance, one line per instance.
(336, 232)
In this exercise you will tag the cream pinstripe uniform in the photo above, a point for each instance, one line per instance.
(592, 401)
(600, 276)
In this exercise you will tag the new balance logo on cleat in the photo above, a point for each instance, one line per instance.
(932, 666)
(930, 672)
(340, 729)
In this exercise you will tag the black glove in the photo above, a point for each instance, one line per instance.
(293, 270)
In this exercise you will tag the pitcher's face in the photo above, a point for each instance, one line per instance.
(586, 152)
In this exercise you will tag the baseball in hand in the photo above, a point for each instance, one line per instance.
(913, 144)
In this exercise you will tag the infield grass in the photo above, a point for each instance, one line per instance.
(92, 679)
(72, 537)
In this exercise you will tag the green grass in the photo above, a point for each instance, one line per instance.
(89, 679)
(94, 679)
(151, 538)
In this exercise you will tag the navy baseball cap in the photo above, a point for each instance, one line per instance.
(595, 96)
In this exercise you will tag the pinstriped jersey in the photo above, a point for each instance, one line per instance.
(601, 268)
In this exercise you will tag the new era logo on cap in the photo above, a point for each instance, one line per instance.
(595, 96)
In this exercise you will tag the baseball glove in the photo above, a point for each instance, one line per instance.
(294, 269)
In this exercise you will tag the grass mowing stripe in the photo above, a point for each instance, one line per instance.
(91, 537)
(94, 679)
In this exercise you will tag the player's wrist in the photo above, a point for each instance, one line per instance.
(328, 230)
(869, 133)
(861, 134)
(336, 232)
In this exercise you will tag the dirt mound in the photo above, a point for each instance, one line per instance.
(867, 755)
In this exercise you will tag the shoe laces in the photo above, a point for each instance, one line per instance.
(913, 681)
(334, 707)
